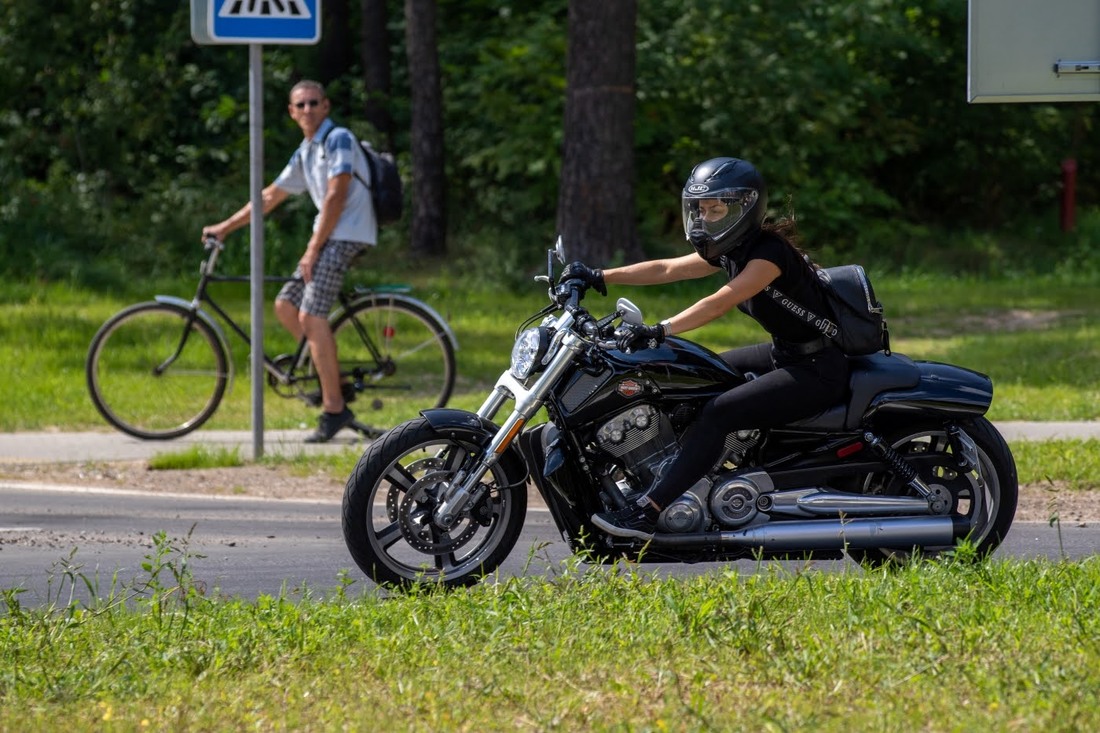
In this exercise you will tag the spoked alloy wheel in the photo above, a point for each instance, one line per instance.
(389, 503)
(985, 496)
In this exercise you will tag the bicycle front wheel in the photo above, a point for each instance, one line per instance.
(398, 355)
(156, 371)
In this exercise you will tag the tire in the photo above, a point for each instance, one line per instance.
(398, 355)
(126, 386)
(388, 504)
(987, 496)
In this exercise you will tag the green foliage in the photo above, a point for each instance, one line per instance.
(123, 137)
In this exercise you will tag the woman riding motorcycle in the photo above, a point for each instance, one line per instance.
(798, 373)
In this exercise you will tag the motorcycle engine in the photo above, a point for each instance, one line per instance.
(728, 499)
(641, 440)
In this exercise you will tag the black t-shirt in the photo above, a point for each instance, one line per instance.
(797, 280)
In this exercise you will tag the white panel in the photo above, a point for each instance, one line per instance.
(1014, 47)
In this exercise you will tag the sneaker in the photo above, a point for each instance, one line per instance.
(634, 521)
(330, 424)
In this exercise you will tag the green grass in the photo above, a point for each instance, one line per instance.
(1073, 463)
(943, 645)
(196, 456)
(1037, 338)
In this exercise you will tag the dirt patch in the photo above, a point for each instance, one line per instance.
(1038, 503)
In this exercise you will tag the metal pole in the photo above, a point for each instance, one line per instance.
(256, 155)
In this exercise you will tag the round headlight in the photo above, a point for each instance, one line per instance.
(528, 351)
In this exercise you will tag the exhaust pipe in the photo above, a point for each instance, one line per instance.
(897, 533)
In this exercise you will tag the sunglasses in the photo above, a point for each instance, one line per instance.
(307, 103)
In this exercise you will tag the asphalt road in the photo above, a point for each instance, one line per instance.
(251, 547)
(241, 547)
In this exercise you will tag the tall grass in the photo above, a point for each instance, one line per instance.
(944, 645)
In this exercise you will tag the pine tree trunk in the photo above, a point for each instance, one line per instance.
(336, 52)
(377, 76)
(429, 218)
(596, 195)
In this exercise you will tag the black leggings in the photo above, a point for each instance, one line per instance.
(787, 388)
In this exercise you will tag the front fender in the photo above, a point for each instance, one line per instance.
(470, 427)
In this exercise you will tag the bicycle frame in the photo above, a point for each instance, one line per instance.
(346, 300)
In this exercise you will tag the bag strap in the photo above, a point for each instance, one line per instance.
(358, 145)
(818, 321)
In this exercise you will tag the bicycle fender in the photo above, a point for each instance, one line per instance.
(463, 424)
(399, 297)
(205, 318)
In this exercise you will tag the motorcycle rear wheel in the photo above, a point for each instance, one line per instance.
(391, 496)
(986, 496)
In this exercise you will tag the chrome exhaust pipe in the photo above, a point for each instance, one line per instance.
(897, 533)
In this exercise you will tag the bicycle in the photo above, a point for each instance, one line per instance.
(159, 369)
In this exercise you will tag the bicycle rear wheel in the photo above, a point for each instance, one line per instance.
(155, 371)
(397, 354)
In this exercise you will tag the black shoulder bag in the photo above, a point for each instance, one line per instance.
(857, 326)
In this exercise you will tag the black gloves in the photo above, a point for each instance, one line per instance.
(631, 335)
(590, 277)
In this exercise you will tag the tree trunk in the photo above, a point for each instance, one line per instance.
(335, 51)
(596, 193)
(429, 217)
(377, 78)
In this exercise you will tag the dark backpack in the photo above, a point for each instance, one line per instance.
(857, 326)
(387, 193)
(860, 327)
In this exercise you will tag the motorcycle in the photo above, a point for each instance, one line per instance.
(908, 465)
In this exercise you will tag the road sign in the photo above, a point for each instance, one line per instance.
(1033, 51)
(256, 21)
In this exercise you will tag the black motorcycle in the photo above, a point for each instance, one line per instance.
(907, 465)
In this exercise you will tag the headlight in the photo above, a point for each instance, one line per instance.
(528, 351)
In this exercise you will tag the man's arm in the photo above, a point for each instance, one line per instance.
(336, 197)
(271, 197)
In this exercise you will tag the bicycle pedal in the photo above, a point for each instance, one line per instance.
(348, 390)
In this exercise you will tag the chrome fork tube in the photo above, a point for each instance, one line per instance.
(464, 490)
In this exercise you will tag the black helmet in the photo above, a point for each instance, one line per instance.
(724, 202)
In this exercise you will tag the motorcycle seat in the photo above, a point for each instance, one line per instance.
(870, 375)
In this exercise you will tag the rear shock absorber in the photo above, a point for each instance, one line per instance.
(898, 464)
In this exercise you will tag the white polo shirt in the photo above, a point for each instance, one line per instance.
(333, 151)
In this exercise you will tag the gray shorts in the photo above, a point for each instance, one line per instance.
(317, 296)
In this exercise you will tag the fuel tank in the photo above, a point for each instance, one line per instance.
(676, 370)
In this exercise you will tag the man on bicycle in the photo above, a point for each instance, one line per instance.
(325, 165)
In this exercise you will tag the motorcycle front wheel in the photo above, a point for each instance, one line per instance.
(985, 496)
(390, 500)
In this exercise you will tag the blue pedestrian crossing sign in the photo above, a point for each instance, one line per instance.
(256, 21)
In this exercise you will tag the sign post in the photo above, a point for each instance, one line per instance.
(256, 22)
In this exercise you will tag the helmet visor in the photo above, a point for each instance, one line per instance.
(717, 212)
